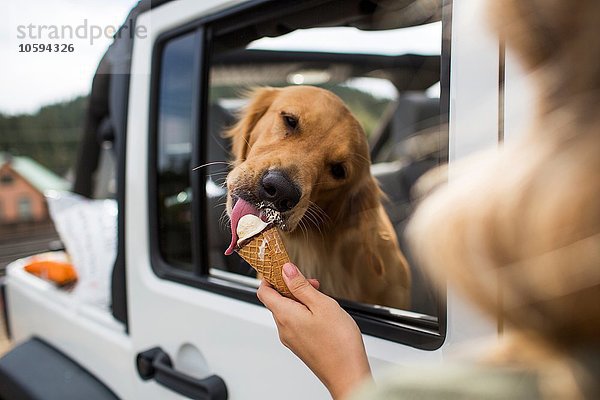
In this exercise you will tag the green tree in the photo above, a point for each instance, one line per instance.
(49, 136)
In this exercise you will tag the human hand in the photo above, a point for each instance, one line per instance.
(318, 331)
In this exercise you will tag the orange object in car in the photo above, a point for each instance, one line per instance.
(61, 273)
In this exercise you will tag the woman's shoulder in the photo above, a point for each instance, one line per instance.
(453, 382)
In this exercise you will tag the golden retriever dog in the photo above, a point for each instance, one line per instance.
(302, 162)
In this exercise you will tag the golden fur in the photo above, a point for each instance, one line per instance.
(339, 231)
(520, 232)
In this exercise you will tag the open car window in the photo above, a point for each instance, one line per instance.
(390, 81)
(390, 72)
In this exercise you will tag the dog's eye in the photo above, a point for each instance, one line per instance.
(338, 171)
(290, 121)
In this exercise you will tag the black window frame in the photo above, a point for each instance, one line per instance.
(413, 332)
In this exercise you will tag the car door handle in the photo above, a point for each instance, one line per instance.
(156, 364)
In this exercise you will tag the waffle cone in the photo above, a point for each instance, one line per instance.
(266, 253)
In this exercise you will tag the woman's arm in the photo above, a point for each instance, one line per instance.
(319, 332)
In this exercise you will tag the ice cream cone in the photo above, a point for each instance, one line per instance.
(266, 253)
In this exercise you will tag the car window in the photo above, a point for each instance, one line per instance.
(387, 65)
(173, 151)
(389, 78)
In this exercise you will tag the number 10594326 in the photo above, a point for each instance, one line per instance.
(46, 48)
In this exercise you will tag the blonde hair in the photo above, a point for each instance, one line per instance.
(526, 218)
(524, 221)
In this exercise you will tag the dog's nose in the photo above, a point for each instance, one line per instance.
(276, 187)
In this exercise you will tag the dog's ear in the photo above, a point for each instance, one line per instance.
(260, 101)
(364, 206)
(365, 199)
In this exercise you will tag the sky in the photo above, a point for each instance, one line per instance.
(423, 39)
(31, 80)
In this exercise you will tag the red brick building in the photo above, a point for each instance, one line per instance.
(23, 183)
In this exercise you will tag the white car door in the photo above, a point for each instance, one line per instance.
(203, 316)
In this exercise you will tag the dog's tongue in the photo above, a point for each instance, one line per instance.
(241, 208)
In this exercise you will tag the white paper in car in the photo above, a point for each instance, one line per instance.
(88, 230)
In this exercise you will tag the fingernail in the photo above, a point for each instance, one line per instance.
(290, 270)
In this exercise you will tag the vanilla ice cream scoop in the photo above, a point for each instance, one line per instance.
(249, 225)
(260, 244)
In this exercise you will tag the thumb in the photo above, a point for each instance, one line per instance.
(298, 285)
